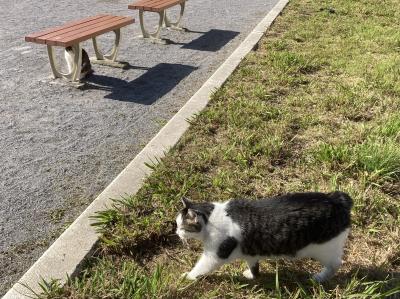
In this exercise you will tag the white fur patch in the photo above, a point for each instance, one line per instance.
(327, 253)
(220, 226)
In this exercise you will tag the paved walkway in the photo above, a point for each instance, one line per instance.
(61, 146)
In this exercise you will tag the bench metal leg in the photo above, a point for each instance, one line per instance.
(75, 70)
(113, 54)
(177, 24)
(154, 36)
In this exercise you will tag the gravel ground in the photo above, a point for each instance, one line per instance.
(60, 146)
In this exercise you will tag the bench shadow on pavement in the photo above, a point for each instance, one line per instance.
(212, 40)
(146, 89)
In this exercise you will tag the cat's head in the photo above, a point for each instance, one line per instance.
(192, 219)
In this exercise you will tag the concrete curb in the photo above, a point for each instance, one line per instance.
(65, 255)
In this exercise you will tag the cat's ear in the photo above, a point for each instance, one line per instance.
(185, 202)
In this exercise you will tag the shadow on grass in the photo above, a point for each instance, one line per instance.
(143, 250)
(291, 276)
(292, 279)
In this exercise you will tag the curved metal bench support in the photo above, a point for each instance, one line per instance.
(75, 71)
(156, 34)
(177, 24)
(113, 54)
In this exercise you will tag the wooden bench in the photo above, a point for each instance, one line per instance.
(160, 7)
(72, 33)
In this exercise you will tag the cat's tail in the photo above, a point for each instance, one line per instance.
(342, 198)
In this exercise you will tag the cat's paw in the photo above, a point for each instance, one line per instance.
(248, 274)
(188, 276)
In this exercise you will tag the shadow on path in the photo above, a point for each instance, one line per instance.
(146, 89)
(212, 40)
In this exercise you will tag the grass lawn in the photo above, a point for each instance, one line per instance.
(316, 107)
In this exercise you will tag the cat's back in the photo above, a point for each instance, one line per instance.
(292, 204)
(283, 224)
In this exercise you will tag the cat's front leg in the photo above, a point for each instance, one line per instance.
(207, 263)
(254, 269)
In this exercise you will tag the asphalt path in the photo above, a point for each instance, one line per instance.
(60, 146)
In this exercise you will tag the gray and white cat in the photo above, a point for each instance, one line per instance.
(297, 225)
(86, 68)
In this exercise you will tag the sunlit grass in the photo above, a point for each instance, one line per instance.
(316, 107)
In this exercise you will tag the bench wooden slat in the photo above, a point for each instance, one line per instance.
(82, 36)
(143, 4)
(146, 4)
(68, 31)
(81, 30)
(168, 4)
(138, 3)
(32, 37)
(154, 5)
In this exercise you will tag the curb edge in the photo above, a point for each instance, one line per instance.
(64, 257)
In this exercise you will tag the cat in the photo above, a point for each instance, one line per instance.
(86, 68)
(296, 225)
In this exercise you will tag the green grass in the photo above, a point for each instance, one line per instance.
(378, 156)
(315, 107)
